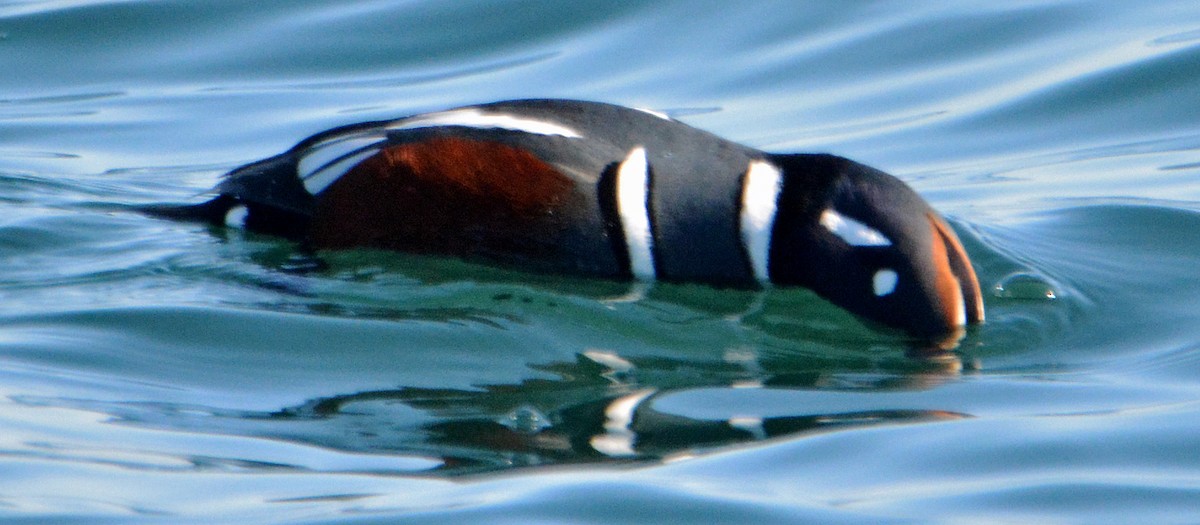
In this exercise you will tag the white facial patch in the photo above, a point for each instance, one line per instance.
(884, 282)
(853, 232)
(475, 118)
(633, 190)
(760, 197)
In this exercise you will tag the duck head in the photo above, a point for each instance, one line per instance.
(865, 241)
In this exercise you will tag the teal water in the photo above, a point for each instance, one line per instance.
(154, 372)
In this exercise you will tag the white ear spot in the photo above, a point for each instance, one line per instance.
(474, 118)
(853, 232)
(884, 282)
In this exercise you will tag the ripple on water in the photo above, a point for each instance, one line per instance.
(1025, 286)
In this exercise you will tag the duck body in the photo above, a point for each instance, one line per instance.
(600, 190)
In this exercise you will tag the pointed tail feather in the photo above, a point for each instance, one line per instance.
(212, 211)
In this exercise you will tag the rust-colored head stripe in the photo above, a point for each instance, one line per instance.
(957, 285)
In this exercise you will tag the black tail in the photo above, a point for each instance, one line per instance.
(212, 211)
(258, 218)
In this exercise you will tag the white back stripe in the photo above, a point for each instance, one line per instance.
(318, 181)
(760, 200)
(853, 232)
(633, 182)
(474, 118)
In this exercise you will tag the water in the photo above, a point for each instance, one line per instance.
(153, 372)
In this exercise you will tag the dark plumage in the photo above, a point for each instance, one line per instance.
(606, 191)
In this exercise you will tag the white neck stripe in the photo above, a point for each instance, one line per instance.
(474, 118)
(633, 187)
(760, 200)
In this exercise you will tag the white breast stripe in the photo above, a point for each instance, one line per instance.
(329, 151)
(317, 182)
(853, 232)
(474, 118)
(760, 198)
(633, 181)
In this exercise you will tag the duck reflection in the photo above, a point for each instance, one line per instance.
(603, 408)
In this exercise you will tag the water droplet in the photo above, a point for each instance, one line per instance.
(1025, 286)
(526, 419)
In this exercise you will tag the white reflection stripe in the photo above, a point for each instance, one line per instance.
(618, 437)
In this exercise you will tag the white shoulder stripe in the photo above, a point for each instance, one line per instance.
(633, 182)
(474, 118)
(328, 151)
(760, 200)
(320, 180)
(853, 232)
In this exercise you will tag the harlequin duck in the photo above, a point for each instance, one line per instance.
(606, 191)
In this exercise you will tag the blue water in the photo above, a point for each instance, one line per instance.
(156, 372)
